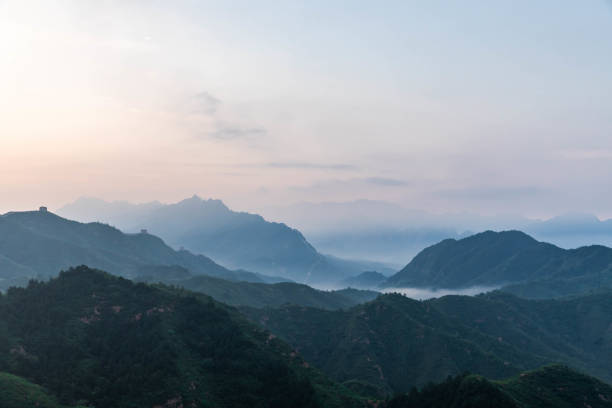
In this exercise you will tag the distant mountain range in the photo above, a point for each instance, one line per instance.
(494, 259)
(388, 232)
(234, 239)
(385, 234)
(40, 244)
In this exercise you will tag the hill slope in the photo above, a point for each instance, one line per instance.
(16, 392)
(395, 343)
(548, 387)
(39, 244)
(91, 337)
(500, 258)
(234, 239)
(258, 294)
(577, 331)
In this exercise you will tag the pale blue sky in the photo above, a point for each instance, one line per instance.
(488, 106)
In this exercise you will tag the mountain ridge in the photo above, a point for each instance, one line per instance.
(500, 259)
(40, 243)
(238, 240)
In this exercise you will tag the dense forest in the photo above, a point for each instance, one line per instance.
(87, 338)
(395, 342)
(97, 340)
(548, 387)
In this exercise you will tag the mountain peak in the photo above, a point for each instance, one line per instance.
(489, 258)
(196, 202)
(507, 235)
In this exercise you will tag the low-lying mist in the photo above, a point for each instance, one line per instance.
(429, 293)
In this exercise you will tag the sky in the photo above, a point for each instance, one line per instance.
(480, 106)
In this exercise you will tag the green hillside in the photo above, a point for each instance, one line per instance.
(557, 387)
(99, 340)
(548, 387)
(576, 330)
(260, 294)
(395, 343)
(16, 392)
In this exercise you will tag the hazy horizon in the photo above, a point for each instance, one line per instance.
(495, 108)
(267, 210)
(305, 203)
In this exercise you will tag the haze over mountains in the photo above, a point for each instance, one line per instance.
(371, 230)
(403, 204)
(511, 259)
(40, 244)
(234, 239)
(255, 294)
(388, 232)
(367, 346)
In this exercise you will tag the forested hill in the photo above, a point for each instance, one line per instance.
(508, 257)
(394, 343)
(549, 387)
(97, 340)
(39, 244)
(257, 294)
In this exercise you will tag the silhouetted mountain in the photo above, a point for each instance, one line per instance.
(501, 258)
(40, 244)
(96, 340)
(549, 387)
(234, 239)
(395, 343)
(257, 294)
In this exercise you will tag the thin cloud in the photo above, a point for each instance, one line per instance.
(586, 154)
(492, 193)
(203, 110)
(351, 184)
(306, 165)
(236, 133)
(387, 182)
(205, 103)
